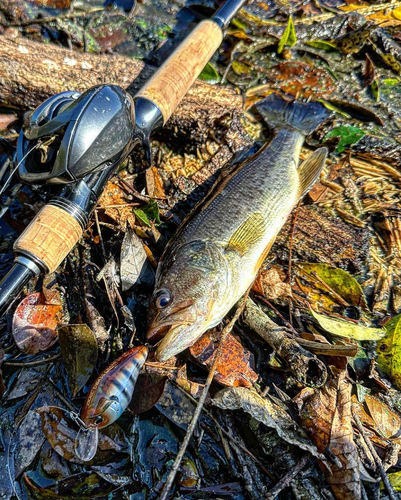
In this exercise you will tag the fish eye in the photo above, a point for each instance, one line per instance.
(162, 299)
(98, 420)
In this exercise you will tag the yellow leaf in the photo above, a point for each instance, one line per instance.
(289, 36)
(348, 329)
(389, 351)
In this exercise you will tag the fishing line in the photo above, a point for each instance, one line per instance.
(16, 168)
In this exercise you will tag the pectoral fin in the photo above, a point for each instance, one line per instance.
(248, 234)
(310, 169)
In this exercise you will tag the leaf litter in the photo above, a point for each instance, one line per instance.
(343, 280)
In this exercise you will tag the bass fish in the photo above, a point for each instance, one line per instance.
(216, 254)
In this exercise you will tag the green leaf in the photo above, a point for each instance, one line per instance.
(322, 44)
(241, 68)
(209, 74)
(389, 351)
(289, 36)
(348, 329)
(147, 213)
(339, 281)
(395, 481)
(348, 135)
(374, 88)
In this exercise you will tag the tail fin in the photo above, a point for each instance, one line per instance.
(303, 117)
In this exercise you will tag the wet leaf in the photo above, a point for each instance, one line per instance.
(288, 38)
(389, 351)
(241, 68)
(176, 406)
(387, 422)
(324, 282)
(85, 486)
(375, 89)
(147, 213)
(357, 111)
(210, 74)
(79, 348)
(35, 323)
(326, 415)
(27, 442)
(134, 266)
(61, 432)
(235, 365)
(369, 74)
(148, 390)
(322, 44)
(395, 480)
(348, 135)
(28, 379)
(348, 329)
(265, 411)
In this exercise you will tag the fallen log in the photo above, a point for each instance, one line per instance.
(30, 72)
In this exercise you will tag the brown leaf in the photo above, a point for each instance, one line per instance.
(148, 390)
(270, 284)
(369, 74)
(387, 422)
(326, 416)
(154, 183)
(35, 323)
(234, 367)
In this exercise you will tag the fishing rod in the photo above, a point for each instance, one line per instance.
(80, 140)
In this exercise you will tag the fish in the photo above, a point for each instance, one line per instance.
(217, 251)
(107, 399)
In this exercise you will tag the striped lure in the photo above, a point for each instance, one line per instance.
(108, 398)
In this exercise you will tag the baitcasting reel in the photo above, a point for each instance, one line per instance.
(72, 135)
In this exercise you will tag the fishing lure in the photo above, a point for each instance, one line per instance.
(107, 399)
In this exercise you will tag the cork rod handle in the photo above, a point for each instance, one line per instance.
(50, 236)
(174, 78)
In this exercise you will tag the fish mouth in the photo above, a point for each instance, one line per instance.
(177, 339)
(181, 315)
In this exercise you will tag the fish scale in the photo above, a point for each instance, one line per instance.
(216, 253)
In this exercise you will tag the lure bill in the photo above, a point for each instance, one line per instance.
(219, 248)
(107, 399)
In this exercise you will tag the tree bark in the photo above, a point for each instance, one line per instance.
(30, 72)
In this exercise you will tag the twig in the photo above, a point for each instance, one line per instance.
(294, 225)
(202, 399)
(288, 325)
(286, 480)
(391, 493)
(99, 232)
(32, 363)
(137, 194)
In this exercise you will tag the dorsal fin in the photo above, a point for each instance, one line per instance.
(248, 234)
(310, 169)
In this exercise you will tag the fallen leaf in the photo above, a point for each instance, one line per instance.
(154, 183)
(324, 282)
(79, 348)
(27, 442)
(210, 74)
(267, 412)
(270, 284)
(288, 38)
(147, 213)
(387, 421)
(234, 367)
(395, 480)
(134, 265)
(348, 135)
(35, 323)
(326, 416)
(389, 350)
(149, 388)
(347, 329)
(322, 44)
(85, 486)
